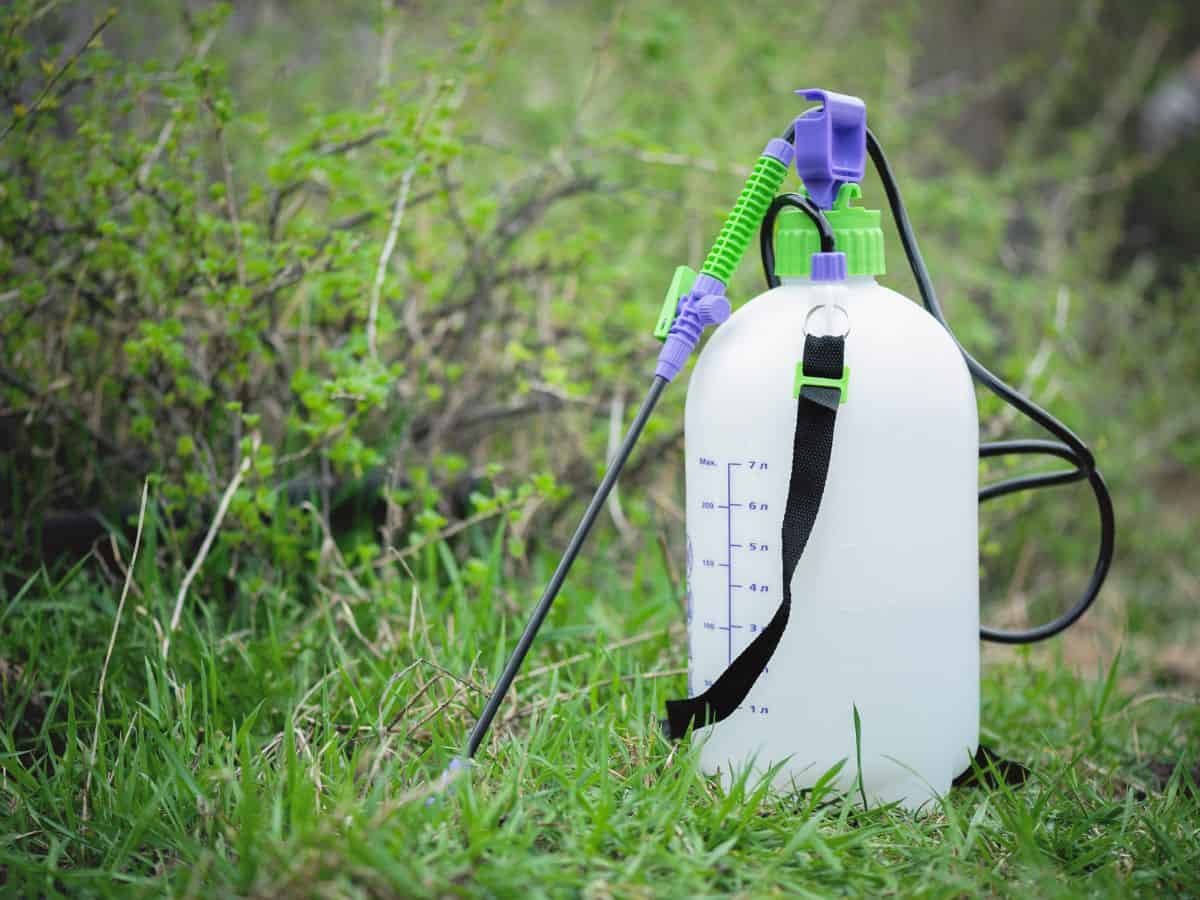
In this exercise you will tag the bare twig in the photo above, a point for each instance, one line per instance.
(164, 134)
(385, 256)
(1039, 114)
(112, 640)
(57, 76)
(222, 509)
(387, 43)
(601, 54)
(231, 204)
(616, 418)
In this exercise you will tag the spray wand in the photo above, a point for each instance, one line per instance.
(693, 302)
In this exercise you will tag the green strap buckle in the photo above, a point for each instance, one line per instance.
(842, 384)
(683, 281)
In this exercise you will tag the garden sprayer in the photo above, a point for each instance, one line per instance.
(831, 442)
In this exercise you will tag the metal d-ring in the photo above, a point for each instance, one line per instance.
(840, 309)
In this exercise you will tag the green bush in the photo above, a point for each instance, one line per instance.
(189, 293)
(192, 235)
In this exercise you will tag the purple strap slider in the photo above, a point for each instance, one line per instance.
(706, 304)
(831, 144)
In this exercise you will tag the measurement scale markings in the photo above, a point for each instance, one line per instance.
(729, 504)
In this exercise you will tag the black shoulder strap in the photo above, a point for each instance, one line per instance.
(816, 413)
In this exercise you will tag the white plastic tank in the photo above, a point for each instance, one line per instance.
(885, 602)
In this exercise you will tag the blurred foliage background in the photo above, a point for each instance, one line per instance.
(298, 254)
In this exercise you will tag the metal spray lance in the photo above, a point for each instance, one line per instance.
(694, 302)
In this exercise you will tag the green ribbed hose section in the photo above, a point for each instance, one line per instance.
(744, 219)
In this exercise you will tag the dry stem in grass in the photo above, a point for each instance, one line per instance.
(112, 640)
(222, 509)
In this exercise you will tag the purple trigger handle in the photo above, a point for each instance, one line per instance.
(706, 304)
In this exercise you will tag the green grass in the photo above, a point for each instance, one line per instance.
(287, 743)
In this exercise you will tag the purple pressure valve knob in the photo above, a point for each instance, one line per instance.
(705, 304)
(831, 144)
(713, 309)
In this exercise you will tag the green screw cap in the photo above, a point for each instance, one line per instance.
(857, 230)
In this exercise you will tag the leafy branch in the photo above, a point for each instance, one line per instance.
(21, 115)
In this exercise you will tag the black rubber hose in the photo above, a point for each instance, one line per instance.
(1068, 446)
(766, 233)
(1071, 447)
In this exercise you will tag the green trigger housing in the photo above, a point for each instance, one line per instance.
(681, 284)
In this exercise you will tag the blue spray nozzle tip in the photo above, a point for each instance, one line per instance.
(455, 770)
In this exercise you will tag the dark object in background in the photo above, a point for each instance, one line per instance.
(1158, 228)
(1172, 111)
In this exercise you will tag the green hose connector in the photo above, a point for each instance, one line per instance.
(743, 221)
